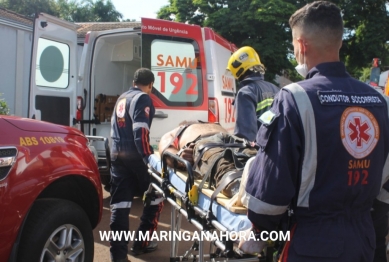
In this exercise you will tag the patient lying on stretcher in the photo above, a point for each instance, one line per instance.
(213, 153)
(186, 141)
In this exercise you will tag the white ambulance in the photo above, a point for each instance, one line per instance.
(189, 64)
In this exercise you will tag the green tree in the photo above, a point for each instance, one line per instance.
(30, 7)
(70, 10)
(105, 11)
(76, 11)
(366, 33)
(166, 12)
(4, 110)
(292, 73)
(128, 20)
(364, 73)
(263, 24)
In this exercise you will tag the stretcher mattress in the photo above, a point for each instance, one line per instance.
(232, 221)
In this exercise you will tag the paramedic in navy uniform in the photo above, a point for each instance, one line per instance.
(323, 150)
(255, 95)
(130, 125)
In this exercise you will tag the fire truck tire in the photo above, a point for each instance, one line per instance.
(56, 230)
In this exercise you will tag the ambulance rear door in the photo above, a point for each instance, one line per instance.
(108, 62)
(175, 54)
(53, 80)
(221, 84)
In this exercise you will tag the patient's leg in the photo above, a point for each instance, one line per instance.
(242, 198)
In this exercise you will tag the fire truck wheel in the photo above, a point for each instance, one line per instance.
(56, 230)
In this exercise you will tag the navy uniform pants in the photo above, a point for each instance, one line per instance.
(346, 236)
(381, 229)
(130, 178)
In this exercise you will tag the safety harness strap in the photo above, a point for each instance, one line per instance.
(178, 133)
(227, 178)
(205, 147)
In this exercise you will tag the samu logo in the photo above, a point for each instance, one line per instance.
(359, 131)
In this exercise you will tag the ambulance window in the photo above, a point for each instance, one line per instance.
(176, 67)
(52, 64)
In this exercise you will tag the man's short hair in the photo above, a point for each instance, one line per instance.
(319, 18)
(143, 76)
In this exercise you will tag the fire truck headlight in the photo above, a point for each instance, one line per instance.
(7, 160)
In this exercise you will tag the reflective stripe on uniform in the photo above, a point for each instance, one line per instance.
(264, 103)
(308, 172)
(384, 195)
(261, 207)
(140, 125)
(133, 104)
(121, 205)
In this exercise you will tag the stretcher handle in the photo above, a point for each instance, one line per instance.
(177, 159)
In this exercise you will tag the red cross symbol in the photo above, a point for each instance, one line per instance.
(121, 108)
(359, 131)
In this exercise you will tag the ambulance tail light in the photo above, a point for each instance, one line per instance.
(213, 110)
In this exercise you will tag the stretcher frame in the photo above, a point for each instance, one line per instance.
(202, 219)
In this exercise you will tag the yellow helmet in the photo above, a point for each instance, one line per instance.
(243, 59)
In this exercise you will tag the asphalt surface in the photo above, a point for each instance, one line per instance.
(163, 251)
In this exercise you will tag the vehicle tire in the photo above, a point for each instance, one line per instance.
(56, 230)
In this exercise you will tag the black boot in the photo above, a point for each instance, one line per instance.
(150, 247)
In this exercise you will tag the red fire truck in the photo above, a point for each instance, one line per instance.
(50, 192)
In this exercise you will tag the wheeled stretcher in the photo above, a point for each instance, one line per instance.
(201, 209)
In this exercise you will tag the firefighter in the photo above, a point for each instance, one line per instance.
(255, 95)
(130, 151)
(323, 154)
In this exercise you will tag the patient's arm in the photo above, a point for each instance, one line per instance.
(166, 140)
(166, 144)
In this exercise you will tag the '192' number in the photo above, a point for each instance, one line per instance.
(355, 177)
(177, 81)
(230, 110)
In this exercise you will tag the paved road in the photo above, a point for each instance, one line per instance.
(162, 254)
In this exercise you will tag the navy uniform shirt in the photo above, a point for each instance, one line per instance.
(130, 126)
(254, 97)
(325, 156)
